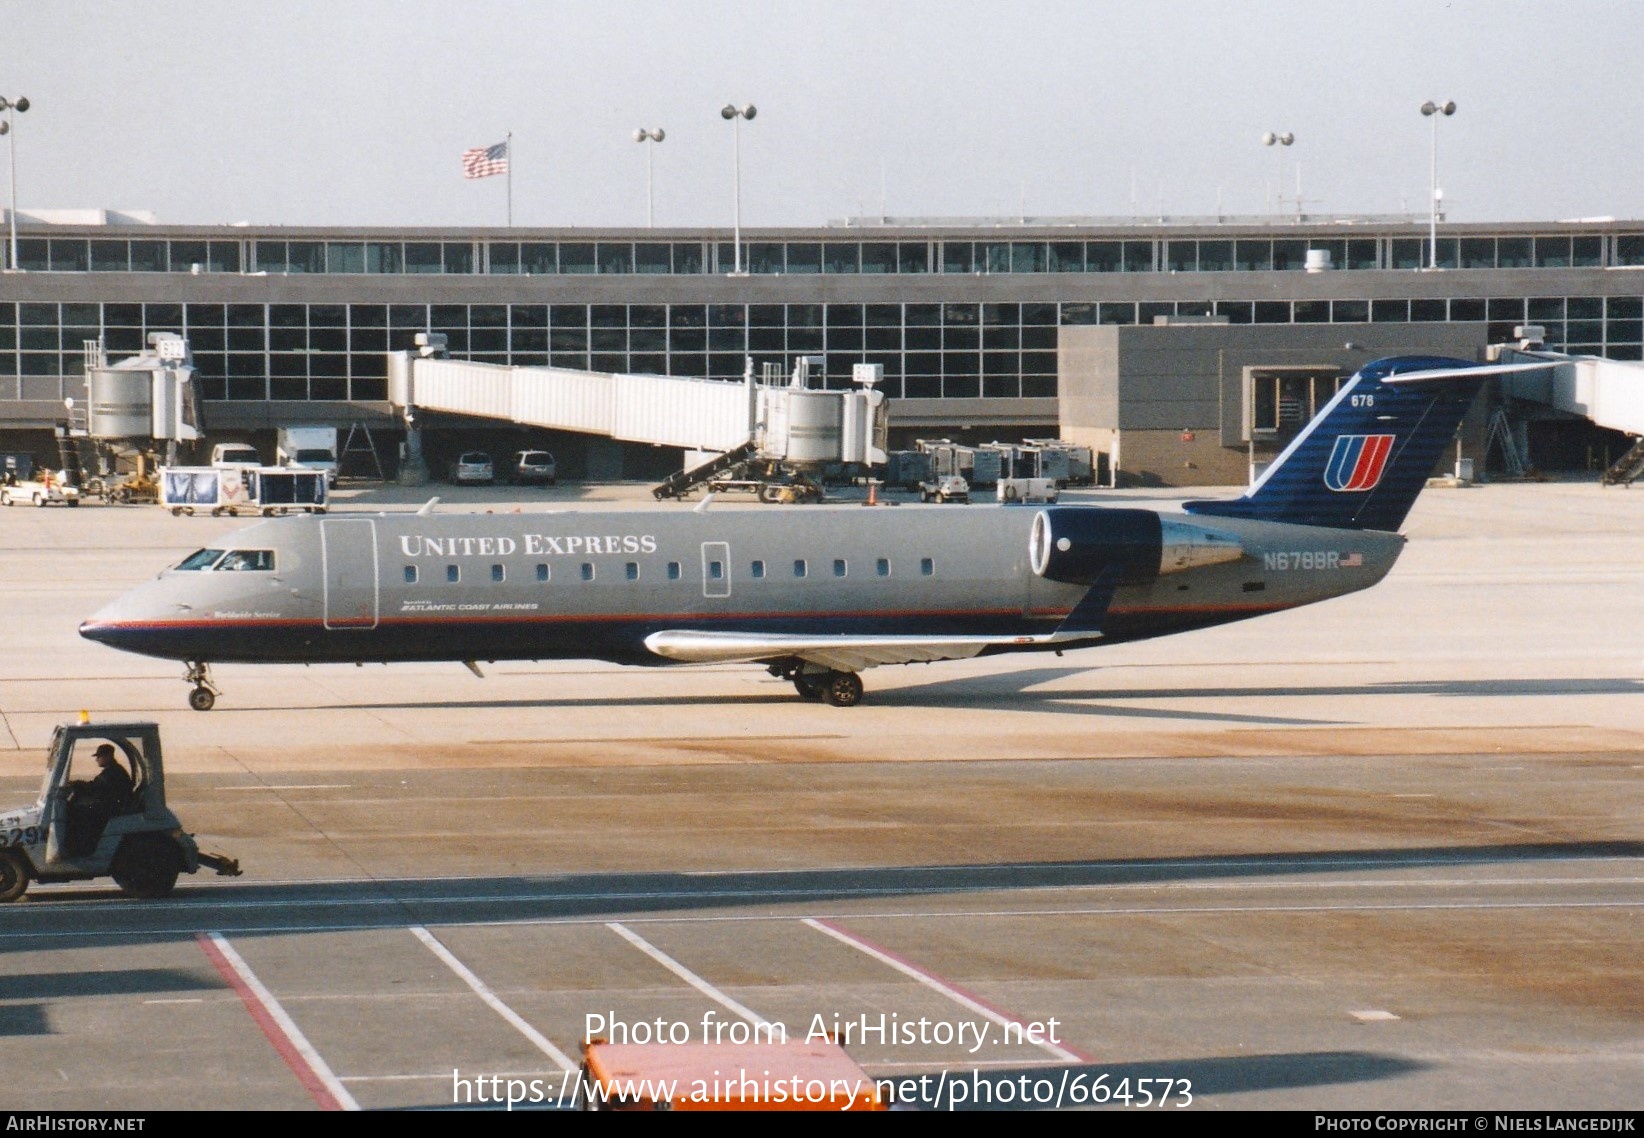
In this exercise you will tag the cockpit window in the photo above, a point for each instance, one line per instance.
(244, 559)
(201, 559)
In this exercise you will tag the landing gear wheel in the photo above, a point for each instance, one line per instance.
(202, 699)
(807, 687)
(146, 866)
(14, 876)
(843, 689)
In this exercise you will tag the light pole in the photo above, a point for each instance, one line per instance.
(11, 107)
(1433, 110)
(642, 135)
(736, 115)
(1285, 139)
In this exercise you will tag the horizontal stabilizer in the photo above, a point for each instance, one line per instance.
(1466, 371)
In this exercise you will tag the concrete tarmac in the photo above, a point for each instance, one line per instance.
(1381, 853)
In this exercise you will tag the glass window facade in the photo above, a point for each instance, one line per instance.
(958, 350)
(1185, 254)
(947, 347)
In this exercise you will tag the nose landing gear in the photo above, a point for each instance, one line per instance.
(204, 695)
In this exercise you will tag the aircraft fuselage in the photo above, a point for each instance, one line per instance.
(587, 585)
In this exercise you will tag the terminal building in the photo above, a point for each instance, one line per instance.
(1180, 348)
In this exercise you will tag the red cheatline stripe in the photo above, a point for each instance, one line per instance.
(290, 1043)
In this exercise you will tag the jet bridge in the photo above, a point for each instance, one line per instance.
(786, 423)
(1609, 393)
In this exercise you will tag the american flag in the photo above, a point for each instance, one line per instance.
(483, 161)
(1352, 560)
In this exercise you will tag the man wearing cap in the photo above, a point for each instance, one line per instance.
(112, 784)
(93, 803)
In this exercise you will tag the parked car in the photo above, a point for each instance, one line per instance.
(947, 488)
(473, 468)
(533, 466)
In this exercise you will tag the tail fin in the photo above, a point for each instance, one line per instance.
(1361, 462)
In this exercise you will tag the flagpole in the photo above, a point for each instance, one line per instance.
(510, 142)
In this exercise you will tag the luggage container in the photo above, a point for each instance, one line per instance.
(291, 491)
(203, 489)
(267, 490)
(980, 466)
(907, 469)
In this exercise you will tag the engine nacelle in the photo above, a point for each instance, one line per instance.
(1078, 544)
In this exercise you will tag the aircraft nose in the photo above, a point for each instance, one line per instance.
(94, 629)
(120, 625)
(101, 625)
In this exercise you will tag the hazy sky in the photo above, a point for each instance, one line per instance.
(355, 112)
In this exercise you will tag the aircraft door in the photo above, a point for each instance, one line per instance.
(716, 569)
(349, 550)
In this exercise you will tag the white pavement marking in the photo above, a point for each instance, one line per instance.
(491, 999)
(937, 984)
(295, 786)
(293, 1046)
(686, 974)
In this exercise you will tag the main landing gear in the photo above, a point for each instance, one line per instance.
(841, 689)
(204, 695)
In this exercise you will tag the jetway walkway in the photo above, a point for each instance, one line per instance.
(1610, 393)
(789, 423)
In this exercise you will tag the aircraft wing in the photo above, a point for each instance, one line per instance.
(837, 653)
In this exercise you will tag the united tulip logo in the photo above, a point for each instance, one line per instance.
(1357, 462)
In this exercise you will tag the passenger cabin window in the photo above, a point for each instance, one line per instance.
(453, 574)
(839, 567)
(882, 567)
(543, 573)
(927, 567)
(673, 570)
(497, 573)
(799, 568)
(201, 559)
(631, 570)
(410, 574)
(587, 571)
(756, 570)
(247, 560)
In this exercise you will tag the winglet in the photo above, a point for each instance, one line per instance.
(428, 506)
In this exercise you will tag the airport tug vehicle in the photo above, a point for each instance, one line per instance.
(84, 827)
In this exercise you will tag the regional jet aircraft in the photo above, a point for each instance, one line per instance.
(816, 594)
